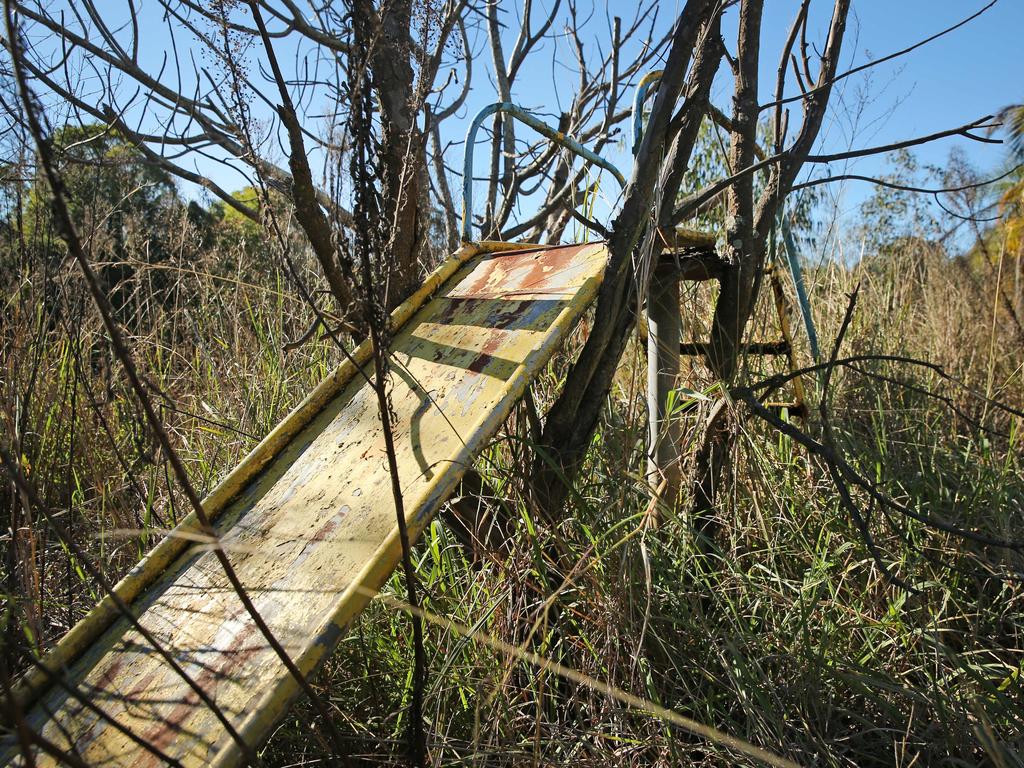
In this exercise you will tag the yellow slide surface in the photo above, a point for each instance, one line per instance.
(308, 520)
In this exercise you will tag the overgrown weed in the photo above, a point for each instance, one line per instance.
(787, 636)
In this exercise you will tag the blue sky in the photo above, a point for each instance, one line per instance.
(969, 73)
(972, 72)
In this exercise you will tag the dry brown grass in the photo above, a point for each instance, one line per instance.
(791, 638)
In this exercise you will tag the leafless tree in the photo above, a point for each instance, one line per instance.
(654, 201)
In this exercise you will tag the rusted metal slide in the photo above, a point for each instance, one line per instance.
(308, 521)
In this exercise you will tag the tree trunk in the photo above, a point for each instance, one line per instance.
(742, 253)
(747, 232)
(574, 416)
(402, 155)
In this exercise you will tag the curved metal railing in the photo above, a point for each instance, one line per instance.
(514, 110)
(639, 99)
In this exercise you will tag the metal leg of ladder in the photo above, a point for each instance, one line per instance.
(782, 311)
(664, 323)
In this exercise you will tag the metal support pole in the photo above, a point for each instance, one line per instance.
(793, 259)
(664, 335)
(664, 331)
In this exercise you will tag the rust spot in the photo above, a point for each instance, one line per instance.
(110, 674)
(228, 660)
(479, 363)
(329, 527)
(486, 355)
(518, 271)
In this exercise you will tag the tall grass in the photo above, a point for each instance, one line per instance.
(791, 637)
(788, 636)
(209, 341)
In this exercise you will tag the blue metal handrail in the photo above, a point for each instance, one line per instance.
(514, 110)
(793, 259)
(639, 99)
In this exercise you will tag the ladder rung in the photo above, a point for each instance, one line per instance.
(795, 409)
(695, 348)
(683, 237)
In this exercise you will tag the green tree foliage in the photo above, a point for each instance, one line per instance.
(1011, 209)
(709, 162)
(108, 186)
(1011, 198)
(118, 203)
(891, 217)
(130, 211)
(234, 228)
(1013, 117)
